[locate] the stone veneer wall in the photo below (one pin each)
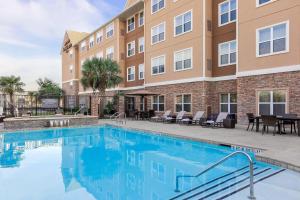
(247, 91)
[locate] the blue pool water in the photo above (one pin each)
(106, 163)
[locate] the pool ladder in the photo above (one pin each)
(120, 118)
(251, 178)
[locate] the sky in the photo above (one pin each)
(32, 31)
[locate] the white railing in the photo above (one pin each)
(120, 118)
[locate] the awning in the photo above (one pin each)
(141, 93)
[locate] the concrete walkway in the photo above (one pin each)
(282, 150)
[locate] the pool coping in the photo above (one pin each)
(255, 150)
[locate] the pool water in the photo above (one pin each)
(94, 163)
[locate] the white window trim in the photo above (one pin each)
(143, 71)
(152, 103)
(113, 28)
(272, 100)
(100, 34)
(164, 56)
(132, 43)
(133, 16)
(219, 14)
(191, 23)
(174, 60)
(140, 45)
(158, 9)
(164, 23)
(219, 55)
(140, 25)
(113, 51)
(182, 104)
(228, 103)
(263, 4)
(287, 39)
(133, 69)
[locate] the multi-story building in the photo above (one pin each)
(213, 55)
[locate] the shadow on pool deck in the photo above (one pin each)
(282, 150)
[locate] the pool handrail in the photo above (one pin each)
(114, 115)
(251, 196)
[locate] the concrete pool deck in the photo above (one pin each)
(280, 150)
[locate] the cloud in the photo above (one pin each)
(30, 69)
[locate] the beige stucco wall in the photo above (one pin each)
(252, 18)
(192, 39)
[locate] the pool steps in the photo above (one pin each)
(59, 123)
(226, 185)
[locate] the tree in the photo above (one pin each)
(48, 88)
(11, 85)
(100, 74)
(31, 94)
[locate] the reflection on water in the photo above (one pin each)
(106, 163)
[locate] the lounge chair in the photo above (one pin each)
(161, 118)
(218, 122)
(179, 117)
(196, 119)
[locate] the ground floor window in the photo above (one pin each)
(130, 103)
(272, 102)
(228, 103)
(184, 103)
(158, 103)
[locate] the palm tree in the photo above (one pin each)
(11, 85)
(48, 88)
(100, 74)
(31, 94)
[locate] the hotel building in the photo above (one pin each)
(213, 55)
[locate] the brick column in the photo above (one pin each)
(95, 105)
(121, 104)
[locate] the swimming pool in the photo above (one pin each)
(116, 164)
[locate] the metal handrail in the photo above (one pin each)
(76, 113)
(114, 115)
(252, 197)
(119, 117)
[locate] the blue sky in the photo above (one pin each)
(31, 33)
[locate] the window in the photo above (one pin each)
(110, 53)
(110, 30)
(184, 103)
(158, 65)
(83, 46)
(99, 37)
(272, 40)
(141, 45)
(131, 49)
(141, 71)
(227, 12)
(183, 23)
(227, 53)
(228, 103)
(91, 41)
(71, 83)
(157, 5)
(183, 59)
(99, 55)
(81, 63)
(158, 33)
(131, 73)
(263, 2)
(141, 18)
(272, 102)
(130, 24)
(71, 68)
(71, 53)
(158, 103)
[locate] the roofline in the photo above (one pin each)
(109, 22)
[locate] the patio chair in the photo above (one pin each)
(161, 118)
(251, 120)
(218, 122)
(196, 119)
(179, 117)
(289, 122)
(269, 120)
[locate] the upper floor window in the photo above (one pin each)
(158, 65)
(71, 68)
(273, 39)
(99, 55)
(157, 5)
(227, 12)
(131, 49)
(228, 103)
(110, 30)
(110, 53)
(183, 23)
(91, 41)
(183, 59)
(141, 18)
(130, 24)
(272, 102)
(263, 2)
(141, 45)
(83, 46)
(227, 53)
(71, 53)
(158, 33)
(131, 73)
(141, 71)
(99, 37)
